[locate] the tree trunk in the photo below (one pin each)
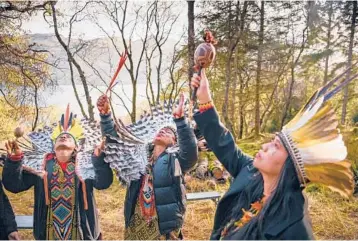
(258, 75)
(36, 117)
(191, 42)
(293, 68)
(75, 63)
(75, 89)
(330, 13)
(288, 100)
(238, 76)
(349, 63)
(233, 100)
(225, 113)
(230, 38)
(159, 74)
(134, 100)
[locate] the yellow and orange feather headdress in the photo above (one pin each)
(68, 124)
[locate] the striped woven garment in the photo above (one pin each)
(62, 223)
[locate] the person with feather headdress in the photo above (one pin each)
(150, 156)
(58, 163)
(265, 199)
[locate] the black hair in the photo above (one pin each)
(173, 131)
(277, 207)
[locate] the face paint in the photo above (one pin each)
(272, 150)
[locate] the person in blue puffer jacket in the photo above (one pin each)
(155, 205)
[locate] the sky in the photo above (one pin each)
(88, 30)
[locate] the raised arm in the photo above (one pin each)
(218, 138)
(188, 150)
(220, 141)
(14, 178)
(103, 172)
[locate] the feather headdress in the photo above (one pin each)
(128, 153)
(69, 125)
(37, 145)
(315, 144)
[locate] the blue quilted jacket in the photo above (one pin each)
(169, 187)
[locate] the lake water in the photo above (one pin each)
(64, 94)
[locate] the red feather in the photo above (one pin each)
(122, 60)
(67, 118)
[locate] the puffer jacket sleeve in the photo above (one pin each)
(15, 179)
(107, 125)
(221, 142)
(188, 150)
(103, 172)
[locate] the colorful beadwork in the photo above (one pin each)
(205, 106)
(255, 209)
(146, 196)
(62, 202)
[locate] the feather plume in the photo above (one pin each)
(39, 144)
(315, 143)
(128, 152)
(337, 176)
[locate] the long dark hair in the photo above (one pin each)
(277, 207)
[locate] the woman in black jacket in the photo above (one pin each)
(8, 226)
(265, 199)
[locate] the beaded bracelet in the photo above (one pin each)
(16, 157)
(177, 116)
(206, 106)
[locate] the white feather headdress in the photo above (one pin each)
(128, 153)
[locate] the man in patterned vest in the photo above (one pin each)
(63, 186)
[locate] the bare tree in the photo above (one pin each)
(71, 58)
(176, 72)
(163, 21)
(117, 13)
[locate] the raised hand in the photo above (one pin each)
(202, 83)
(178, 112)
(103, 105)
(13, 149)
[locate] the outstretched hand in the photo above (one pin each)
(202, 83)
(179, 110)
(103, 105)
(13, 148)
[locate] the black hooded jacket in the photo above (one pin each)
(7, 217)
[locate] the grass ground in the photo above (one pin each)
(332, 217)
